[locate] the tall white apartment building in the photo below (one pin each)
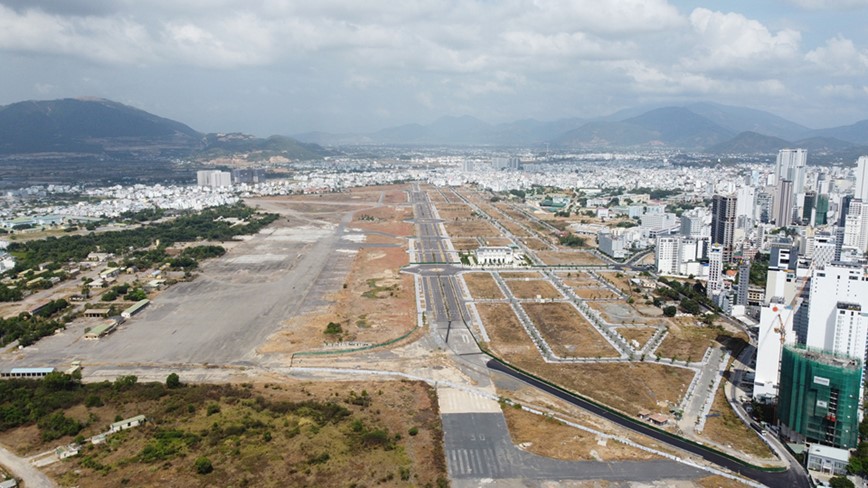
(862, 178)
(839, 293)
(856, 226)
(776, 320)
(824, 250)
(715, 270)
(213, 178)
(791, 165)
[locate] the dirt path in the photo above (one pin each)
(22, 469)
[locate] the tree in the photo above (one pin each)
(333, 328)
(203, 465)
(670, 311)
(173, 381)
(841, 482)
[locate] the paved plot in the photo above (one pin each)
(478, 446)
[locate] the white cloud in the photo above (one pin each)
(731, 41)
(829, 4)
(839, 56)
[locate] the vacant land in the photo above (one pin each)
(688, 342)
(453, 211)
(569, 258)
(551, 438)
(535, 244)
(465, 243)
(596, 294)
(629, 387)
(509, 275)
(533, 289)
(638, 334)
(386, 219)
(482, 285)
(302, 434)
(471, 228)
(727, 429)
(375, 304)
(621, 312)
(567, 332)
(498, 241)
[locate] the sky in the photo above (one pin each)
(285, 67)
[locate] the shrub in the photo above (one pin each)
(173, 381)
(333, 328)
(413, 431)
(213, 408)
(203, 465)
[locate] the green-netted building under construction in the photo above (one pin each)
(819, 396)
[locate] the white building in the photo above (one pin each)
(499, 255)
(213, 178)
(862, 179)
(611, 243)
(791, 165)
(715, 270)
(824, 249)
(838, 312)
(828, 460)
(679, 255)
(776, 320)
(856, 226)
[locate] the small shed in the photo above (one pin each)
(127, 423)
(135, 308)
(64, 452)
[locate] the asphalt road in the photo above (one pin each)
(478, 445)
(787, 478)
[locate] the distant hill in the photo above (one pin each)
(742, 119)
(855, 133)
(75, 125)
(668, 126)
(103, 128)
(750, 143)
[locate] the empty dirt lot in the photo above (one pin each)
(482, 285)
(533, 289)
(629, 387)
(567, 332)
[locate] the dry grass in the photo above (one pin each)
(638, 334)
(482, 285)
(564, 258)
(596, 293)
(551, 438)
(533, 289)
(509, 275)
(535, 244)
(498, 241)
(233, 439)
(683, 342)
(471, 228)
(620, 280)
(718, 482)
(567, 332)
(628, 387)
(454, 211)
(728, 429)
(465, 243)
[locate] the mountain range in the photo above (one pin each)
(107, 129)
(703, 126)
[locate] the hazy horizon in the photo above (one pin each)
(282, 67)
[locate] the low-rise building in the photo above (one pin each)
(127, 424)
(498, 255)
(828, 460)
